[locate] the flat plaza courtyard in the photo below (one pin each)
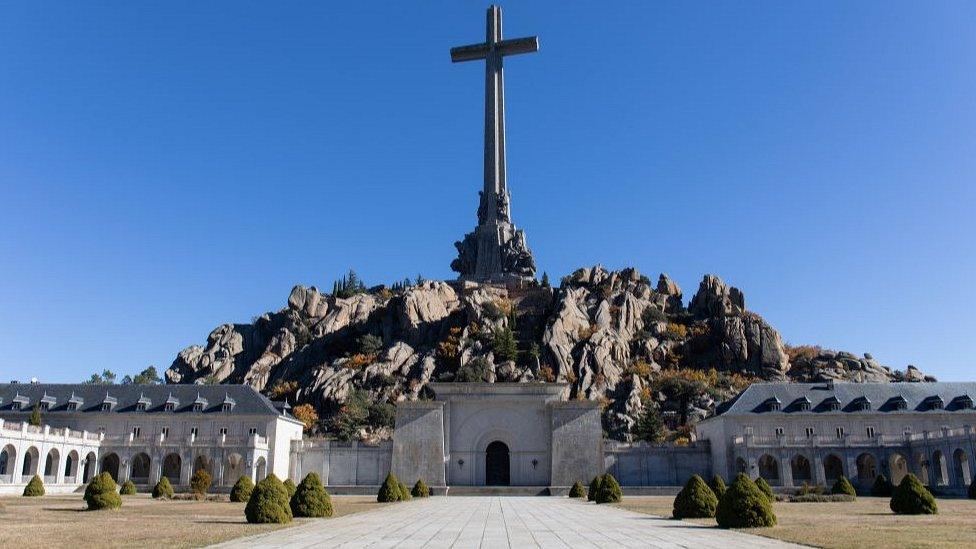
(493, 522)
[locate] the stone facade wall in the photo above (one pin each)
(577, 442)
(418, 443)
(341, 464)
(641, 464)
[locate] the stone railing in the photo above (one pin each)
(754, 441)
(35, 432)
(160, 440)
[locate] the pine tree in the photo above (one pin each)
(695, 500)
(744, 506)
(35, 416)
(545, 280)
(504, 345)
(268, 503)
(311, 499)
(649, 426)
(241, 492)
(912, 498)
(718, 486)
(390, 490)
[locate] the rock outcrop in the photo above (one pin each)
(611, 336)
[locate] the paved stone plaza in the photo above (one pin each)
(502, 522)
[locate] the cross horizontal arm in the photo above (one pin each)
(470, 52)
(516, 46)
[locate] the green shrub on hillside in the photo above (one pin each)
(609, 491)
(102, 493)
(911, 498)
(128, 488)
(311, 499)
(578, 490)
(718, 486)
(695, 500)
(420, 490)
(390, 490)
(34, 488)
(268, 503)
(242, 489)
(200, 482)
(882, 487)
(594, 488)
(765, 488)
(162, 489)
(744, 505)
(843, 486)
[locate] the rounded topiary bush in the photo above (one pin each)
(200, 482)
(242, 489)
(102, 493)
(744, 505)
(34, 488)
(882, 487)
(843, 486)
(128, 488)
(911, 498)
(404, 492)
(311, 499)
(718, 486)
(290, 487)
(594, 488)
(162, 489)
(390, 490)
(420, 490)
(578, 490)
(695, 500)
(765, 488)
(268, 503)
(609, 491)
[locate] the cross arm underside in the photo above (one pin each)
(513, 46)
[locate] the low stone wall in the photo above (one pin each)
(642, 464)
(341, 464)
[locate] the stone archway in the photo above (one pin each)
(89, 471)
(31, 458)
(498, 471)
(833, 468)
(139, 468)
(867, 468)
(172, 465)
(110, 465)
(769, 469)
(898, 467)
(960, 461)
(8, 458)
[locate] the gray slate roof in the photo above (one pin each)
(246, 401)
(882, 397)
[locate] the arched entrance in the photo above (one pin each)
(497, 465)
(172, 464)
(139, 470)
(110, 465)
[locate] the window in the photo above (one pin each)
(169, 406)
(870, 431)
(748, 430)
(72, 406)
(43, 406)
(165, 433)
(106, 406)
(226, 407)
(223, 431)
(136, 431)
(252, 431)
(197, 407)
(810, 432)
(194, 431)
(141, 406)
(779, 431)
(840, 432)
(16, 406)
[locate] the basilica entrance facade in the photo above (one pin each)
(497, 464)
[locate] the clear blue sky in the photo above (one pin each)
(169, 166)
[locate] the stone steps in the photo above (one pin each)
(498, 491)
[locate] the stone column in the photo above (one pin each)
(785, 470)
(819, 475)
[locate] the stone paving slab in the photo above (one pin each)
(491, 522)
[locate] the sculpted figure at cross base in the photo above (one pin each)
(496, 250)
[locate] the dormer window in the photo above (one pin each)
(773, 405)
(228, 403)
(935, 402)
(801, 404)
(19, 403)
(199, 404)
(108, 403)
(106, 407)
(898, 403)
(169, 407)
(72, 406)
(171, 403)
(862, 404)
(831, 404)
(143, 403)
(963, 402)
(44, 406)
(197, 407)
(141, 406)
(74, 403)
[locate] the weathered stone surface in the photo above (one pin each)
(714, 299)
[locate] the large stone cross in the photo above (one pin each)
(494, 198)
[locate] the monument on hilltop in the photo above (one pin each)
(496, 250)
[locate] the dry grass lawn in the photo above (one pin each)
(868, 522)
(56, 521)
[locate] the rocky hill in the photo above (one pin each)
(612, 336)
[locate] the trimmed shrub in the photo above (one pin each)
(882, 487)
(241, 492)
(744, 505)
(404, 491)
(594, 488)
(718, 486)
(843, 486)
(128, 489)
(311, 499)
(200, 482)
(609, 491)
(420, 490)
(821, 498)
(34, 488)
(911, 498)
(765, 488)
(268, 503)
(290, 487)
(390, 490)
(972, 489)
(578, 490)
(162, 489)
(695, 500)
(102, 493)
